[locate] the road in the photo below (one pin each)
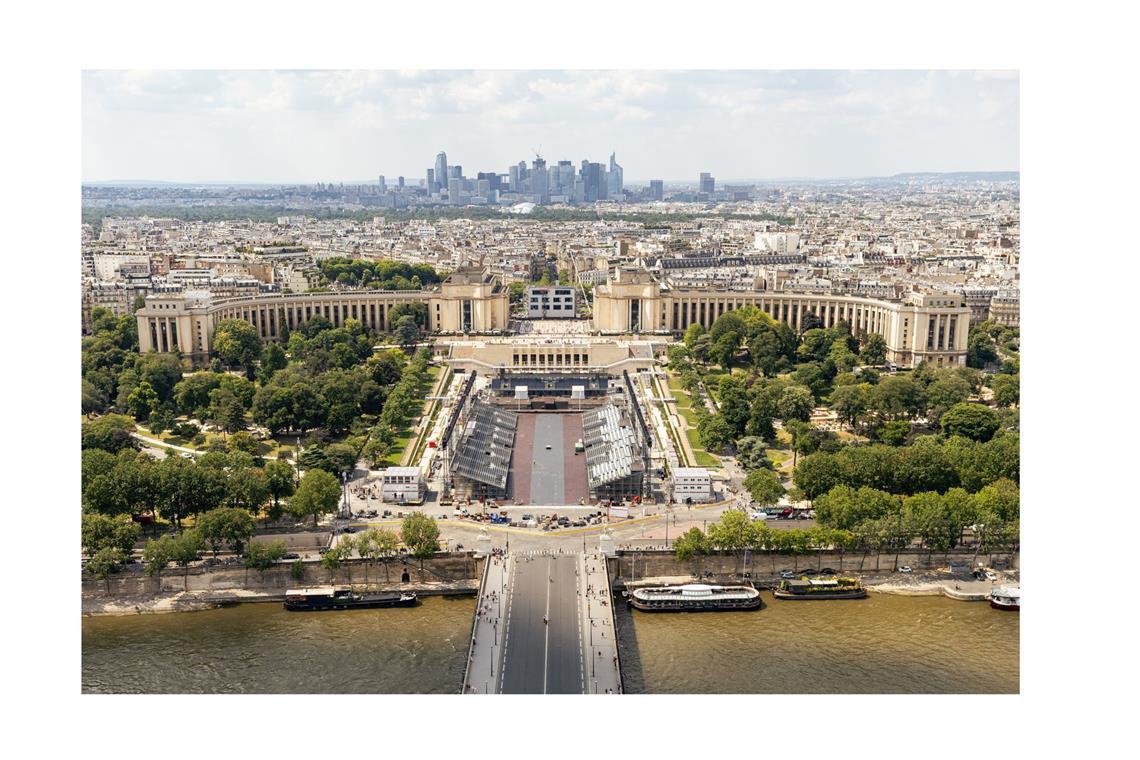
(543, 657)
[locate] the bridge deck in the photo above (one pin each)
(515, 652)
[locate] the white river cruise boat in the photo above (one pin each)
(694, 597)
(1006, 598)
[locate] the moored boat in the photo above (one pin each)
(1006, 598)
(344, 598)
(820, 588)
(695, 597)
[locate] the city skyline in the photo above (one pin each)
(240, 127)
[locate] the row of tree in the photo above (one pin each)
(382, 275)
(937, 521)
(929, 464)
(404, 402)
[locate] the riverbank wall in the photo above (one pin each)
(197, 588)
(634, 564)
(945, 574)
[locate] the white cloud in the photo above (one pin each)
(310, 125)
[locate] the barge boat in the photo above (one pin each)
(344, 598)
(820, 588)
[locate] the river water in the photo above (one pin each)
(883, 644)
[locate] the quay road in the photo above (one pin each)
(544, 625)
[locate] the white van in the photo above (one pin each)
(759, 514)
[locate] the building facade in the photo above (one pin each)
(921, 327)
(551, 302)
(470, 300)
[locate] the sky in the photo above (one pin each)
(334, 126)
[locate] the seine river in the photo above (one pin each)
(891, 644)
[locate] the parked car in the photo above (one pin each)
(290, 555)
(826, 571)
(787, 574)
(991, 575)
(906, 569)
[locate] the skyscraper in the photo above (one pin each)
(656, 190)
(513, 183)
(614, 178)
(708, 183)
(539, 182)
(593, 181)
(441, 174)
(383, 185)
(430, 181)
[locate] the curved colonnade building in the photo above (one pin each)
(468, 301)
(923, 327)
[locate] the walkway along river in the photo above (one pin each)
(882, 644)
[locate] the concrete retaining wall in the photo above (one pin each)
(631, 565)
(135, 583)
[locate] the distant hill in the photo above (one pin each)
(966, 176)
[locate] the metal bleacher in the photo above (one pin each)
(486, 441)
(610, 445)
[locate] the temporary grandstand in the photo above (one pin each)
(615, 468)
(481, 463)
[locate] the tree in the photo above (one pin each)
(851, 403)
(845, 508)
(724, 349)
(421, 534)
(111, 432)
(764, 486)
(107, 560)
(874, 351)
(715, 432)
(379, 544)
(237, 344)
(899, 397)
(944, 393)
(273, 358)
(280, 484)
(247, 489)
(973, 421)
(242, 440)
(317, 494)
(690, 544)
(192, 393)
(157, 554)
(693, 332)
(980, 349)
(800, 433)
(225, 525)
(407, 332)
(734, 402)
(734, 532)
(817, 474)
(795, 403)
(751, 453)
(1001, 499)
(894, 432)
(101, 532)
(262, 555)
(1007, 390)
(226, 410)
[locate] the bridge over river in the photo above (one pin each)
(544, 624)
